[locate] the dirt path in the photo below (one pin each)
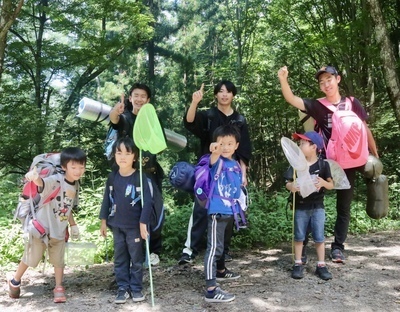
(369, 281)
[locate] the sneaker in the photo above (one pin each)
(154, 259)
(227, 275)
(185, 258)
(121, 296)
(218, 295)
(337, 256)
(228, 258)
(137, 296)
(304, 259)
(14, 291)
(297, 272)
(323, 273)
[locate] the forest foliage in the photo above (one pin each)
(57, 52)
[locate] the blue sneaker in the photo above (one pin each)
(122, 295)
(218, 295)
(337, 256)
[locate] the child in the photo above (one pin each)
(309, 211)
(220, 214)
(122, 211)
(54, 216)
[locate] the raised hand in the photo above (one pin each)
(283, 73)
(198, 95)
(120, 106)
(32, 175)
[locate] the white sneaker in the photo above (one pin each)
(154, 259)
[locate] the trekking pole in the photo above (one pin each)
(148, 236)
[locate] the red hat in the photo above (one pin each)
(311, 136)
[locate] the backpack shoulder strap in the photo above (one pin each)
(327, 104)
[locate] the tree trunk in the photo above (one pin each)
(387, 57)
(7, 17)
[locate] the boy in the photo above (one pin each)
(122, 211)
(309, 211)
(123, 117)
(220, 214)
(202, 123)
(329, 79)
(55, 217)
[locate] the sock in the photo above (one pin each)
(321, 263)
(15, 283)
(298, 262)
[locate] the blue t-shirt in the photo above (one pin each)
(226, 188)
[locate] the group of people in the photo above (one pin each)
(223, 133)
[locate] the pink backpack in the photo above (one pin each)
(348, 144)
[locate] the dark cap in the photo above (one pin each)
(326, 69)
(311, 136)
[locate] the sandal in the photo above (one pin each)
(59, 294)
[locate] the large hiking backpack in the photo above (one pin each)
(348, 144)
(158, 209)
(30, 200)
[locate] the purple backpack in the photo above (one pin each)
(204, 183)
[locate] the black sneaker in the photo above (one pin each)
(185, 258)
(137, 296)
(297, 272)
(304, 255)
(227, 275)
(337, 256)
(218, 295)
(122, 295)
(323, 273)
(228, 258)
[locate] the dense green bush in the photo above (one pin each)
(270, 222)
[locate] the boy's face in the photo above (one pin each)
(329, 84)
(229, 145)
(124, 158)
(224, 97)
(73, 171)
(138, 98)
(307, 147)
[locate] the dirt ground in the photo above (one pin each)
(369, 281)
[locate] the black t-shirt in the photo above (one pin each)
(320, 168)
(206, 121)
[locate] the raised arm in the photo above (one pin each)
(117, 110)
(196, 98)
(292, 99)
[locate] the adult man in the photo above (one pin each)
(202, 124)
(329, 79)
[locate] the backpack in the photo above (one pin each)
(30, 200)
(348, 144)
(182, 177)
(204, 187)
(113, 134)
(157, 214)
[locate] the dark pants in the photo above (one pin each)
(128, 258)
(196, 231)
(343, 205)
(214, 259)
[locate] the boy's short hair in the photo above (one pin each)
(72, 153)
(326, 69)
(129, 145)
(140, 86)
(226, 130)
(228, 84)
(311, 136)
